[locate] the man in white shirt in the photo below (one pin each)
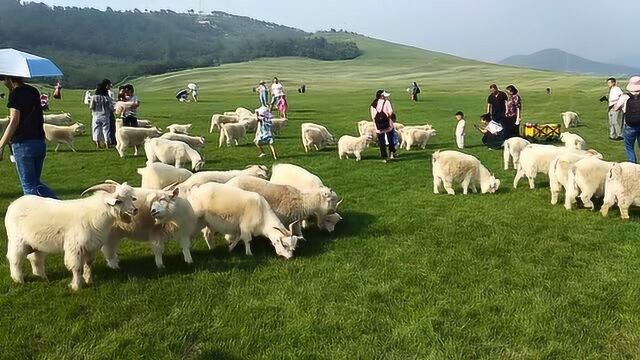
(615, 123)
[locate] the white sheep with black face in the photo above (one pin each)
(451, 167)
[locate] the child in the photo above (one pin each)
(460, 129)
(263, 133)
(283, 106)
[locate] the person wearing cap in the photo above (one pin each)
(381, 108)
(629, 103)
(615, 126)
(264, 134)
(25, 133)
(263, 93)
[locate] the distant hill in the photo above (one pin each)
(89, 44)
(558, 60)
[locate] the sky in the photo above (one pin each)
(487, 30)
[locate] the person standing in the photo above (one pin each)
(283, 107)
(629, 104)
(263, 93)
(277, 91)
(194, 91)
(460, 129)
(102, 107)
(496, 104)
(615, 126)
(130, 114)
(57, 91)
(512, 115)
(382, 116)
(415, 90)
(106, 83)
(264, 133)
(25, 132)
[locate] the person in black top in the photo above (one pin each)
(497, 104)
(25, 132)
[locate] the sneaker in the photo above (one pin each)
(385, 161)
(393, 156)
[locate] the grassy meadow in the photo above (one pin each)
(406, 275)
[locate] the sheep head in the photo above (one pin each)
(286, 243)
(119, 197)
(164, 205)
(329, 222)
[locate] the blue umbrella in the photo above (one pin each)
(21, 64)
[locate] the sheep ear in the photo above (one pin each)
(110, 188)
(112, 201)
(291, 226)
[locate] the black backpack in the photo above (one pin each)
(632, 115)
(382, 119)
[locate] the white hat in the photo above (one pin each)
(634, 84)
(386, 94)
(262, 110)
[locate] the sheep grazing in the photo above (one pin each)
(130, 136)
(193, 141)
(240, 215)
(144, 123)
(316, 136)
(158, 175)
(244, 112)
(559, 170)
(290, 204)
(512, 149)
(218, 120)
(172, 152)
(179, 129)
(39, 226)
(279, 124)
(573, 141)
(63, 134)
(350, 145)
(454, 166)
(586, 180)
(622, 187)
(231, 133)
(162, 215)
(535, 159)
(416, 137)
(221, 177)
(58, 119)
(570, 118)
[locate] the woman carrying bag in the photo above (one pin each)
(382, 116)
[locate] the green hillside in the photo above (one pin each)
(406, 275)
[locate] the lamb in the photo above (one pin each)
(278, 124)
(512, 148)
(244, 112)
(158, 175)
(240, 215)
(193, 141)
(559, 170)
(39, 226)
(289, 204)
(586, 179)
(179, 129)
(366, 127)
(58, 119)
(535, 159)
(350, 145)
(218, 120)
(162, 215)
(454, 166)
(63, 134)
(172, 152)
(621, 187)
(570, 118)
(231, 132)
(573, 141)
(221, 177)
(418, 137)
(130, 136)
(315, 135)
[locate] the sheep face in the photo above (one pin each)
(199, 165)
(329, 222)
(119, 198)
(491, 186)
(163, 207)
(286, 243)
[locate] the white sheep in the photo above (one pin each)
(351, 145)
(418, 137)
(512, 148)
(535, 159)
(622, 187)
(290, 204)
(221, 177)
(218, 120)
(179, 129)
(162, 216)
(240, 215)
(451, 167)
(193, 141)
(39, 226)
(316, 136)
(366, 127)
(63, 134)
(58, 119)
(130, 136)
(244, 112)
(231, 133)
(278, 124)
(570, 118)
(559, 170)
(573, 141)
(158, 175)
(144, 123)
(172, 152)
(586, 180)
(250, 123)
(419, 127)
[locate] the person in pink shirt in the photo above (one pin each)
(383, 117)
(283, 106)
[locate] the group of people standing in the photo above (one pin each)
(104, 110)
(278, 96)
(625, 106)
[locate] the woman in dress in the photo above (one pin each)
(512, 114)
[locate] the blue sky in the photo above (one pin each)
(483, 29)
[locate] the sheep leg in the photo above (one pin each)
(236, 141)
(157, 247)
(109, 251)
(87, 274)
(506, 156)
(71, 146)
(15, 253)
(316, 146)
(185, 244)
(609, 201)
(120, 149)
(519, 176)
(586, 200)
(37, 264)
(207, 234)
(555, 189)
(516, 160)
(234, 242)
(135, 150)
(437, 182)
(73, 262)
(465, 184)
(358, 156)
(473, 188)
(624, 209)
(246, 238)
(57, 147)
(448, 186)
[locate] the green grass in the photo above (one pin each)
(407, 274)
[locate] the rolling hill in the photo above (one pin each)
(561, 61)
